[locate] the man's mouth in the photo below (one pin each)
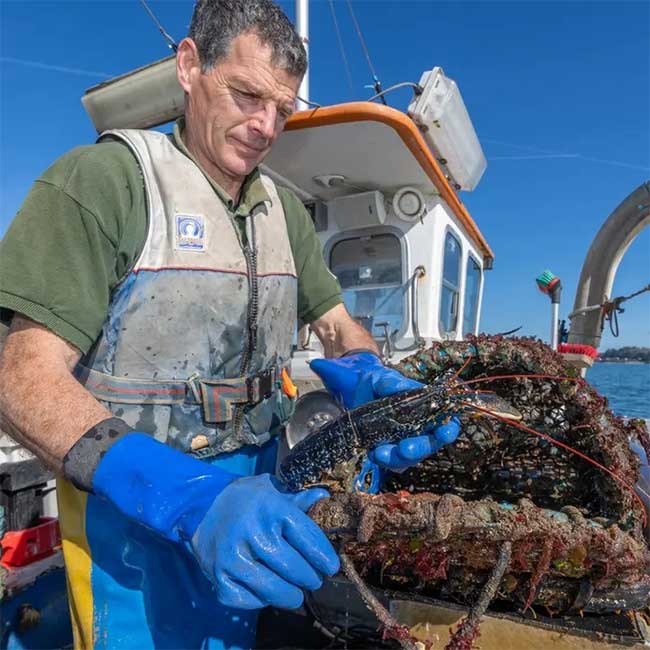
(255, 150)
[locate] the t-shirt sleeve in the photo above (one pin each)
(72, 240)
(318, 288)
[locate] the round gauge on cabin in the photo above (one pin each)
(409, 204)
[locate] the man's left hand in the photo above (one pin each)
(360, 378)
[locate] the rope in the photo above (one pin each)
(467, 631)
(612, 319)
(348, 74)
(608, 305)
(375, 78)
(390, 624)
(610, 310)
(613, 304)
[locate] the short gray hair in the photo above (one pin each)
(215, 23)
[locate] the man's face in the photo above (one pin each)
(235, 111)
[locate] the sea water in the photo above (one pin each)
(626, 386)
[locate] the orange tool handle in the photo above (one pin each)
(289, 388)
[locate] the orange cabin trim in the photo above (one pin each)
(412, 138)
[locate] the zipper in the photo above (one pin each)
(250, 254)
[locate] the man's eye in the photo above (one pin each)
(248, 95)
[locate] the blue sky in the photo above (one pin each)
(559, 93)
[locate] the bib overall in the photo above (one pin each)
(196, 338)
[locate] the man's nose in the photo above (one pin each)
(265, 121)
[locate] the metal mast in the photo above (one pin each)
(302, 25)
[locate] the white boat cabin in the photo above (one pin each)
(409, 257)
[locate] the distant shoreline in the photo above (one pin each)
(626, 354)
(632, 362)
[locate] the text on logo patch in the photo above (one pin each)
(190, 232)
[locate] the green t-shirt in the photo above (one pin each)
(82, 227)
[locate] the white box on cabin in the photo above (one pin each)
(441, 114)
(358, 210)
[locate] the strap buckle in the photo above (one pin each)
(193, 388)
(218, 397)
(261, 386)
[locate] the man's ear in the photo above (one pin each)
(188, 63)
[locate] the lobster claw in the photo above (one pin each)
(370, 477)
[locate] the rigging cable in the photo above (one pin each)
(610, 309)
(170, 41)
(308, 102)
(174, 46)
(375, 78)
(342, 48)
(417, 90)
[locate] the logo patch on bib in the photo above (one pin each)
(190, 233)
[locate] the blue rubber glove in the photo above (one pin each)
(261, 547)
(411, 451)
(361, 378)
(252, 540)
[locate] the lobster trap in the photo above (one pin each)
(557, 491)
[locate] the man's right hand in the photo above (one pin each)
(251, 538)
(259, 547)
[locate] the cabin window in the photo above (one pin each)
(369, 269)
(472, 291)
(450, 285)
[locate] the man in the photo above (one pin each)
(155, 283)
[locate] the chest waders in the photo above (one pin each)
(192, 350)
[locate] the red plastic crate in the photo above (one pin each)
(22, 547)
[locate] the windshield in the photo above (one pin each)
(472, 291)
(370, 272)
(450, 285)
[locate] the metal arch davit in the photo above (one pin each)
(599, 270)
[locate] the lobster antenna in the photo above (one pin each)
(459, 372)
(171, 43)
(467, 382)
